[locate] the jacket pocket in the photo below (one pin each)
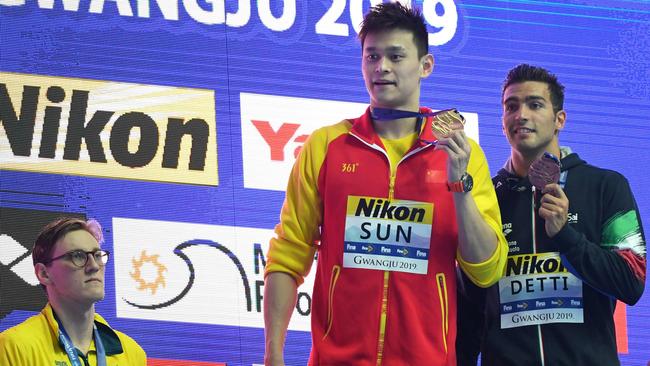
(336, 271)
(444, 306)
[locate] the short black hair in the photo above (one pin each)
(391, 16)
(525, 72)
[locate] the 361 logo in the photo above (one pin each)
(274, 129)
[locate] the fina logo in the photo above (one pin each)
(160, 268)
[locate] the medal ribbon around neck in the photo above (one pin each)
(442, 122)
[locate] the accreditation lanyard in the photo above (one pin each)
(71, 351)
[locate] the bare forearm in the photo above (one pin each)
(280, 291)
(476, 240)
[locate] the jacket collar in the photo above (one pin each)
(111, 341)
(364, 129)
(506, 175)
(565, 157)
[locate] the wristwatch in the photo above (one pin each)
(463, 185)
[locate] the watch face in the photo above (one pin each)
(464, 184)
(468, 182)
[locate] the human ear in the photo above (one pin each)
(560, 120)
(42, 274)
(426, 65)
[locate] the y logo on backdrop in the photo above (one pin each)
(275, 127)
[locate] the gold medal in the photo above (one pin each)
(446, 121)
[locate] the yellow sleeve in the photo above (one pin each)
(489, 272)
(11, 350)
(134, 352)
(292, 249)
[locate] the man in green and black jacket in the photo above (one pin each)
(575, 247)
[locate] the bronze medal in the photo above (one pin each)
(545, 170)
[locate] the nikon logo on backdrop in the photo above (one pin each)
(107, 129)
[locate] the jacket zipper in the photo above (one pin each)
(444, 307)
(382, 319)
(534, 232)
(384, 298)
(384, 294)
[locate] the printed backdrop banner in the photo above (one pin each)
(194, 273)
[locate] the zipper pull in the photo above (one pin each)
(391, 187)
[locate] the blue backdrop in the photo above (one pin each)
(169, 49)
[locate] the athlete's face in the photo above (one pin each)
(529, 122)
(66, 281)
(392, 69)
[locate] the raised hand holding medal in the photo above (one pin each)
(545, 170)
(447, 127)
(544, 174)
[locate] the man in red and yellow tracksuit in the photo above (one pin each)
(389, 212)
